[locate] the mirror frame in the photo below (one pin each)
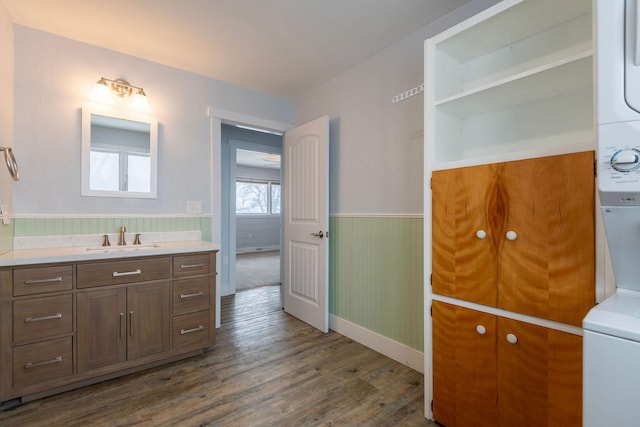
(87, 112)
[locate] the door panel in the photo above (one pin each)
(305, 171)
(464, 367)
(465, 202)
(149, 320)
(548, 271)
(523, 374)
(541, 374)
(101, 328)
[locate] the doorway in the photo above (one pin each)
(257, 215)
(251, 224)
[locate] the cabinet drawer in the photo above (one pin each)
(123, 271)
(191, 330)
(37, 280)
(42, 318)
(191, 265)
(191, 294)
(41, 362)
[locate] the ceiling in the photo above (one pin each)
(257, 159)
(281, 47)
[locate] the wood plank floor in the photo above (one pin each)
(265, 370)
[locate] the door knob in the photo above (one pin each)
(512, 339)
(481, 234)
(319, 234)
(512, 235)
(481, 329)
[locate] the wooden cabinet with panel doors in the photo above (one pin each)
(65, 325)
(517, 235)
(494, 371)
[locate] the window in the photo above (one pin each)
(257, 197)
(119, 170)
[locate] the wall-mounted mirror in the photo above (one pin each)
(119, 155)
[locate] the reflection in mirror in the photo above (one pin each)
(119, 155)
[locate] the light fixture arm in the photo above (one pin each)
(121, 87)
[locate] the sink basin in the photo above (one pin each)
(127, 248)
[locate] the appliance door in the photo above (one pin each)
(611, 381)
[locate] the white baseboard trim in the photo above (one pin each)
(399, 352)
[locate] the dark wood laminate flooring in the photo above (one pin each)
(265, 370)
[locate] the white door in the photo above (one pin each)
(305, 171)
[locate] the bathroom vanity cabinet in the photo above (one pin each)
(66, 325)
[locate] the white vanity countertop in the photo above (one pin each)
(82, 253)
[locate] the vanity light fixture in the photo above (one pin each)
(104, 87)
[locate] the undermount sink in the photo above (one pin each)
(127, 248)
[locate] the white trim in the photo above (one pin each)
(550, 324)
(231, 117)
(70, 215)
(377, 215)
(399, 352)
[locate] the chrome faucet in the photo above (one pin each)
(121, 241)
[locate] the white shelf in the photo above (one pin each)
(564, 76)
(506, 23)
(511, 82)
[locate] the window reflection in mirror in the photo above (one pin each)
(119, 155)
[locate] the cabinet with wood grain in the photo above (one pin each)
(517, 235)
(65, 325)
(494, 371)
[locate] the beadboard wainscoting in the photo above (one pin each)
(60, 225)
(6, 237)
(376, 283)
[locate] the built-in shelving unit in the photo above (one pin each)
(512, 82)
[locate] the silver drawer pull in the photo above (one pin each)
(38, 319)
(188, 331)
(30, 365)
(40, 281)
(127, 273)
(192, 266)
(197, 294)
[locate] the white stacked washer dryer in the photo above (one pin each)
(612, 328)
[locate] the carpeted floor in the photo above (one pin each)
(257, 269)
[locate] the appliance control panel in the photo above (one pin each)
(619, 163)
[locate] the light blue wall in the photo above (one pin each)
(6, 118)
(376, 185)
(54, 77)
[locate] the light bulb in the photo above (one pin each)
(140, 101)
(101, 91)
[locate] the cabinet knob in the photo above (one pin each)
(481, 234)
(512, 339)
(512, 235)
(481, 329)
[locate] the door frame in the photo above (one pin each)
(217, 118)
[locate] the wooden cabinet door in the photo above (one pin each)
(548, 271)
(540, 376)
(465, 376)
(465, 202)
(101, 326)
(149, 319)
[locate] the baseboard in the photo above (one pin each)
(399, 352)
(257, 249)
